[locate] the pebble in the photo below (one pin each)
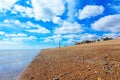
(84, 78)
(96, 72)
(56, 78)
(89, 69)
(107, 69)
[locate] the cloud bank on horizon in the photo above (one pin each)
(35, 24)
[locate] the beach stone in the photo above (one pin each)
(31, 78)
(89, 69)
(107, 69)
(96, 72)
(55, 78)
(84, 78)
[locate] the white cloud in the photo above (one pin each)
(71, 5)
(16, 35)
(2, 33)
(28, 2)
(45, 10)
(17, 22)
(54, 38)
(28, 25)
(16, 43)
(6, 4)
(88, 36)
(108, 23)
(8, 42)
(90, 11)
(39, 30)
(23, 38)
(70, 36)
(47, 40)
(57, 38)
(111, 35)
(12, 39)
(68, 27)
(12, 24)
(24, 11)
(57, 20)
(115, 5)
(71, 40)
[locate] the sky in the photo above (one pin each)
(39, 24)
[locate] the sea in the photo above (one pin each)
(13, 62)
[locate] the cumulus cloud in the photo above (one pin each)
(26, 25)
(10, 22)
(24, 11)
(90, 11)
(17, 42)
(45, 10)
(88, 36)
(54, 38)
(71, 5)
(108, 23)
(28, 2)
(115, 5)
(6, 4)
(15, 39)
(57, 20)
(2, 33)
(68, 27)
(71, 36)
(71, 40)
(23, 38)
(47, 40)
(16, 35)
(39, 30)
(111, 35)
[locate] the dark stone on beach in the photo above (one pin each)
(84, 78)
(31, 78)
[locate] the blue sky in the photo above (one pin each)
(38, 24)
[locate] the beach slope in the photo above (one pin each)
(93, 61)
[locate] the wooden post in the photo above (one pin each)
(59, 44)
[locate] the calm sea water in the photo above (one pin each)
(12, 62)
